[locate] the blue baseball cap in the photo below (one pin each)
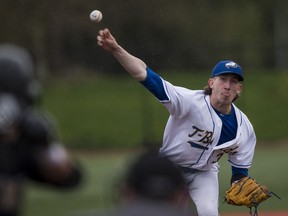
(227, 66)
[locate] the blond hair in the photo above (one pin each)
(208, 91)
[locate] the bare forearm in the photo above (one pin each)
(133, 65)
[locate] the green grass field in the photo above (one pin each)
(101, 113)
(104, 111)
(103, 172)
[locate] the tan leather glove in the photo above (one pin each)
(247, 192)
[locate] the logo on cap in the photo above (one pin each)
(227, 66)
(231, 65)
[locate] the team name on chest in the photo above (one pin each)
(201, 138)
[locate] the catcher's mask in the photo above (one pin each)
(17, 73)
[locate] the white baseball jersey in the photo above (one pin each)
(193, 130)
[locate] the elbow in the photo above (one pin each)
(140, 76)
(140, 73)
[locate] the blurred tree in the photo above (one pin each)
(281, 34)
(168, 35)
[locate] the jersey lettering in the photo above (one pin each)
(230, 151)
(205, 136)
(218, 156)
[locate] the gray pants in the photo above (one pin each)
(203, 188)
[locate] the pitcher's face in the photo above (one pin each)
(224, 87)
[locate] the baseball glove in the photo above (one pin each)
(247, 192)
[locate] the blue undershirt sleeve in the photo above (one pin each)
(238, 173)
(154, 84)
(236, 170)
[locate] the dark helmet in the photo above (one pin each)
(17, 73)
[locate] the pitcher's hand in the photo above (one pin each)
(106, 40)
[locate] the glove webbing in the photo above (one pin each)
(255, 213)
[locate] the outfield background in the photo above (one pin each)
(100, 110)
(103, 121)
(104, 111)
(104, 171)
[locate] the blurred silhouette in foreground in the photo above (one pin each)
(29, 147)
(152, 186)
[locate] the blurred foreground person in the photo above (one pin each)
(29, 148)
(153, 186)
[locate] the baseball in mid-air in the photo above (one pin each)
(96, 16)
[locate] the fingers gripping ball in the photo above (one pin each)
(247, 192)
(96, 16)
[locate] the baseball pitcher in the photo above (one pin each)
(203, 125)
